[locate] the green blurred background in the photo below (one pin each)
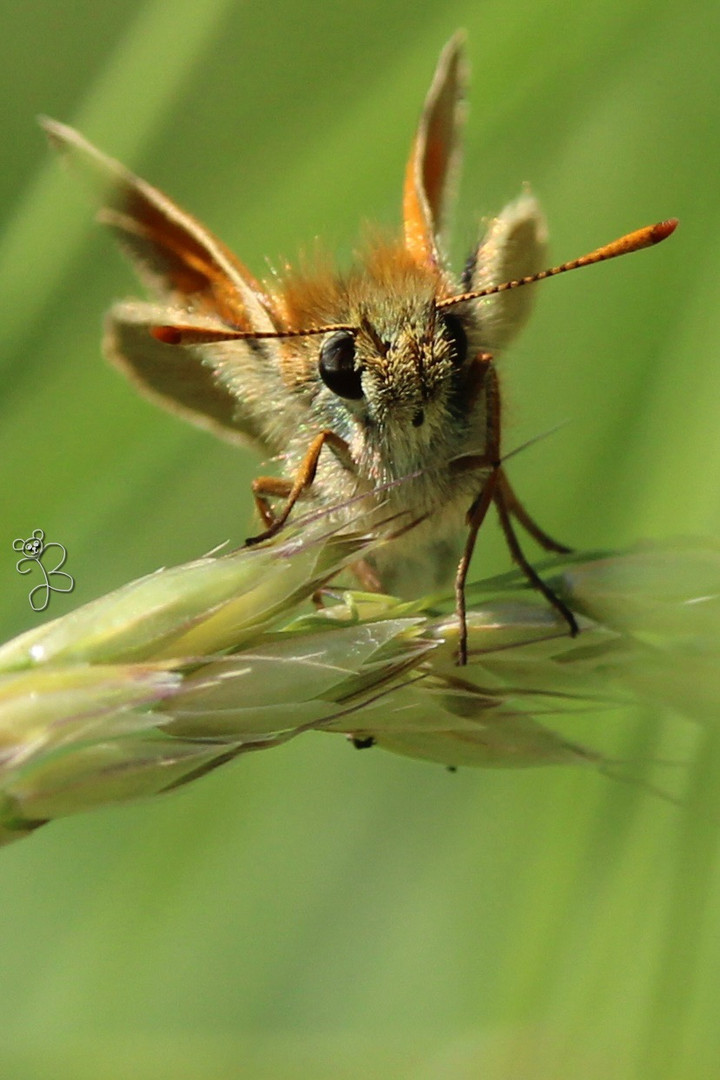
(313, 912)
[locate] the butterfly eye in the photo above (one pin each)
(455, 333)
(337, 366)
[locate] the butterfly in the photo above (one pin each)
(374, 387)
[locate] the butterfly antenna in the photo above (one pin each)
(199, 335)
(633, 241)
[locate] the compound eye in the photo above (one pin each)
(336, 366)
(455, 333)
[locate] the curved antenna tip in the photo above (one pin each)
(664, 229)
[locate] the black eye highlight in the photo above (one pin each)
(455, 333)
(336, 366)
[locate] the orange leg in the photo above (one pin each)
(264, 488)
(275, 487)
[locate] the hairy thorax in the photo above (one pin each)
(405, 393)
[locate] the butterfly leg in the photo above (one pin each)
(267, 487)
(489, 460)
(504, 512)
(518, 511)
(475, 517)
(366, 575)
(497, 490)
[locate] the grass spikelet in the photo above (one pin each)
(179, 672)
